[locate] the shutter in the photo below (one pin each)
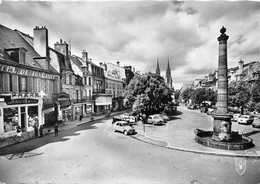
(1, 82)
(15, 83)
(6, 82)
(30, 84)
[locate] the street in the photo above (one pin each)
(93, 153)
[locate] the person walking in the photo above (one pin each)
(35, 130)
(56, 129)
(41, 131)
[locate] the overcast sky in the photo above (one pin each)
(138, 32)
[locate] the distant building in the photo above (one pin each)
(168, 77)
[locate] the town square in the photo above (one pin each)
(130, 92)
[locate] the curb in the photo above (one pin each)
(195, 151)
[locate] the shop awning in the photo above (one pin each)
(104, 100)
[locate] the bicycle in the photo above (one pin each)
(15, 139)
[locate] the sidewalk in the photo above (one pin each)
(70, 124)
(178, 134)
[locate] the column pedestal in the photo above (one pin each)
(222, 127)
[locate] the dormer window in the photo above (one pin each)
(17, 54)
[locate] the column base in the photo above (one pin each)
(222, 127)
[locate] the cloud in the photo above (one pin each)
(137, 33)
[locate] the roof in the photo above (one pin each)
(76, 65)
(11, 39)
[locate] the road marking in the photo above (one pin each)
(105, 130)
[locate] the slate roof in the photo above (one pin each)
(12, 39)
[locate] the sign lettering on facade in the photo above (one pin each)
(22, 71)
(64, 100)
(22, 101)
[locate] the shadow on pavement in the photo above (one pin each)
(177, 113)
(30, 145)
(251, 133)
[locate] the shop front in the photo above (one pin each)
(64, 110)
(103, 104)
(23, 112)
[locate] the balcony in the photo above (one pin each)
(98, 91)
(77, 100)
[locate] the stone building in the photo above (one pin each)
(29, 80)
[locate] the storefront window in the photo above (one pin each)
(33, 116)
(10, 119)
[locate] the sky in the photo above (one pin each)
(138, 33)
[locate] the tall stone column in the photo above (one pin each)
(222, 120)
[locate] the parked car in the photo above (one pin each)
(124, 127)
(245, 119)
(256, 122)
(235, 116)
(132, 119)
(117, 118)
(192, 106)
(155, 120)
(211, 111)
(164, 117)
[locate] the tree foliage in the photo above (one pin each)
(186, 94)
(255, 92)
(202, 94)
(238, 94)
(147, 93)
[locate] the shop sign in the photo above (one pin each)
(22, 71)
(114, 73)
(22, 101)
(64, 100)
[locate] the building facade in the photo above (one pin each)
(28, 80)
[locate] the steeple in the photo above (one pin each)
(157, 71)
(168, 75)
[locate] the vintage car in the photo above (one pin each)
(124, 127)
(245, 119)
(256, 122)
(155, 120)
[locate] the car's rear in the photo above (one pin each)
(256, 122)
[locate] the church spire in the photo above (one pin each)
(157, 71)
(168, 70)
(168, 75)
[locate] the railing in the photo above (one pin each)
(96, 91)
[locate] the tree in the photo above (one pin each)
(186, 94)
(255, 92)
(238, 94)
(147, 93)
(202, 94)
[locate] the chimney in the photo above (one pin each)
(133, 69)
(241, 66)
(40, 41)
(62, 47)
(84, 55)
(250, 69)
(117, 63)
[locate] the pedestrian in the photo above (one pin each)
(35, 130)
(56, 129)
(19, 132)
(41, 131)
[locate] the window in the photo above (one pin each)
(22, 58)
(6, 82)
(106, 85)
(30, 84)
(89, 81)
(23, 84)
(70, 79)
